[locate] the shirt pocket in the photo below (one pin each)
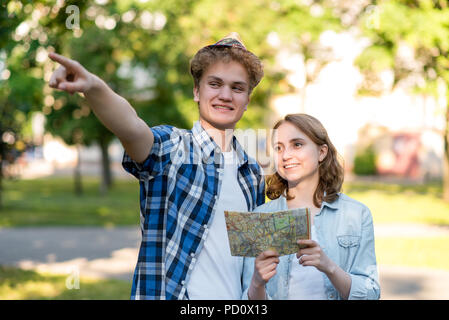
(348, 246)
(348, 241)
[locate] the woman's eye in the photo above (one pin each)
(298, 144)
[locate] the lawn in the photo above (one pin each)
(52, 202)
(394, 203)
(425, 252)
(17, 284)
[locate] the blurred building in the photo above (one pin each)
(404, 129)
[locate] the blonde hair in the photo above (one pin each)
(331, 172)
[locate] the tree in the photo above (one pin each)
(420, 28)
(20, 81)
(142, 50)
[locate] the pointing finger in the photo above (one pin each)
(66, 62)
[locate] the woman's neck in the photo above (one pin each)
(303, 194)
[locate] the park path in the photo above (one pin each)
(112, 253)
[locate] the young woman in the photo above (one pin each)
(339, 261)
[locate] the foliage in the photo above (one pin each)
(142, 50)
(412, 39)
(365, 162)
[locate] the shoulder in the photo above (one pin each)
(351, 207)
(345, 200)
(166, 131)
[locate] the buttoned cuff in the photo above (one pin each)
(363, 288)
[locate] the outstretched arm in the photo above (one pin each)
(112, 110)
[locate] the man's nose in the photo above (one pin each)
(225, 93)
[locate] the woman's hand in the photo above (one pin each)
(264, 269)
(314, 256)
(71, 76)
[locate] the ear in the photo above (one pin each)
(323, 152)
(196, 94)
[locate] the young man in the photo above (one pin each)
(187, 177)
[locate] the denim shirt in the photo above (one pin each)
(345, 233)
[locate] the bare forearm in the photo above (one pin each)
(112, 110)
(340, 279)
(120, 118)
(256, 292)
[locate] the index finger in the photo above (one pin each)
(66, 62)
(307, 242)
(268, 253)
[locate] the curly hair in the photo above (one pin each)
(207, 56)
(330, 170)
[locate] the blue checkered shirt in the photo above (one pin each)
(179, 186)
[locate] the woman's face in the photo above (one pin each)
(296, 156)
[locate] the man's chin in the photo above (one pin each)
(220, 124)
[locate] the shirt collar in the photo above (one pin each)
(330, 205)
(208, 145)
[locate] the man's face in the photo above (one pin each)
(223, 95)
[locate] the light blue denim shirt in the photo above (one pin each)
(345, 233)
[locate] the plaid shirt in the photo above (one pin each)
(179, 186)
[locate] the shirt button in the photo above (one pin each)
(183, 282)
(192, 254)
(217, 150)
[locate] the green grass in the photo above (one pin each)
(52, 202)
(432, 252)
(17, 284)
(393, 203)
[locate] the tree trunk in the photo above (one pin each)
(106, 180)
(2, 158)
(77, 173)
(1, 175)
(446, 158)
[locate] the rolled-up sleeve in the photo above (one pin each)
(165, 138)
(364, 273)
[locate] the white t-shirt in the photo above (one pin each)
(216, 274)
(306, 283)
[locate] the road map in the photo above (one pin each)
(250, 233)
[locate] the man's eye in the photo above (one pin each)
(238, 89)
(214, 84)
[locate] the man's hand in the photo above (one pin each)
(112, 110)
(71, 76)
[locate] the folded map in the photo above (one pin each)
(250, 233)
